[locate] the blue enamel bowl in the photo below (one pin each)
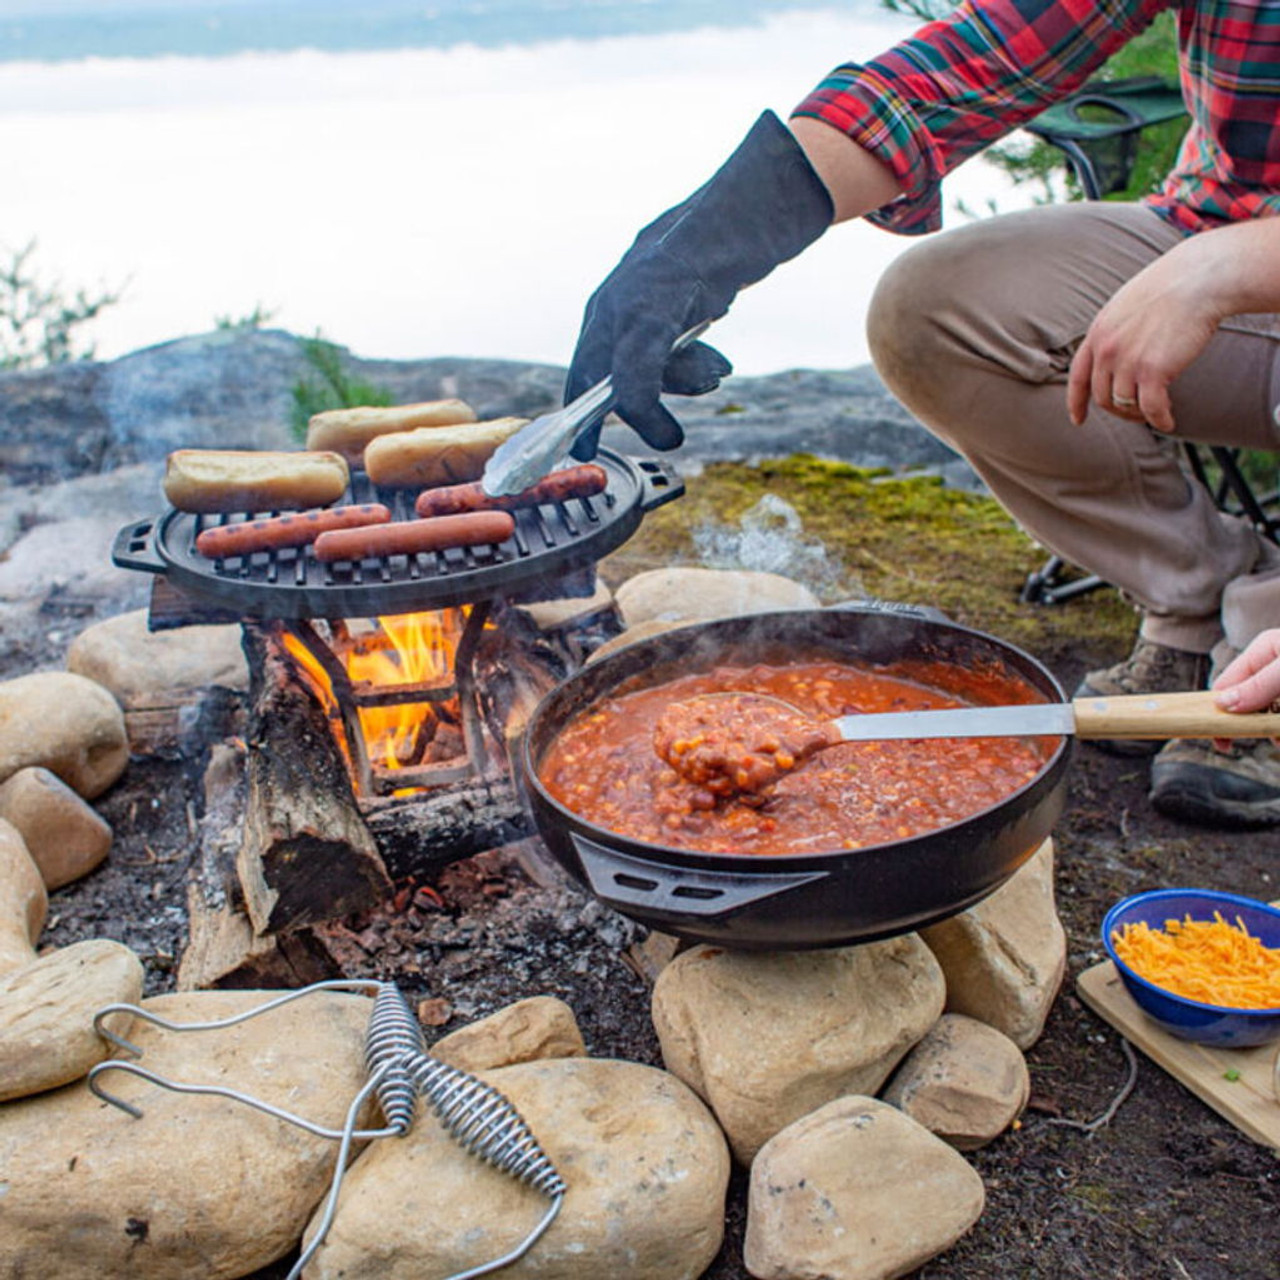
(1208, 1024)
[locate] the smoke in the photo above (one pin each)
(769, 538)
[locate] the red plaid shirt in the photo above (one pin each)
(959, 84)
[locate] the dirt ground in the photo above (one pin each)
(1165, 1189)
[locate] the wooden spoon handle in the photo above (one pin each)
(1169, 715)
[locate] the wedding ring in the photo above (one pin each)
(1124, 402)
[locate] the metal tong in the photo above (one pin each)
(542, 445)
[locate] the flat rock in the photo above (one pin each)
(46, 1014)
(767, 1037)
(646, 1169)
(1005, 957)
(65, 835)
(688, 594)
(64, 723)
(965, 1081)
(200, 1185)
(856, 1191)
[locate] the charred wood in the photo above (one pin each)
(307, 854)
(430, 830)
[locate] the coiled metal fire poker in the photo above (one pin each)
(400, 1069)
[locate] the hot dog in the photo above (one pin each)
(285, 531)
(582, 481)
(408, 537)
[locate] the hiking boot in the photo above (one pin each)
(1192, 780)
(1150, 668)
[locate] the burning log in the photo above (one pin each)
(448, 823)
(307, 854)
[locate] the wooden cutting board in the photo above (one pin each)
(1249, 1102)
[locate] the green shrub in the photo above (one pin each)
(38, 323)
(333, 388)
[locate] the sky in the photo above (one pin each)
(420, 202)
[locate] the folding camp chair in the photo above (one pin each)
(1097, 130)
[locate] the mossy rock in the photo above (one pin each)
(888, 536)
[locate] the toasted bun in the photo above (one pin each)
(348, 431)
(212, 480)
(436, 455)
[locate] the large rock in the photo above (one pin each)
(199, 1186)
(24, 901)
(767, 1037)
(856, 1191)
(65, 723)
(965, 1081)
(46, 1014)
(689, 594)
(1005, 958)
(540, 1027)
(645, 1165)
(140, 666)
(65, 835)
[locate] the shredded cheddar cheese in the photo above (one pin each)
(1206, 960)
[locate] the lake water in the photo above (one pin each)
(461, 200)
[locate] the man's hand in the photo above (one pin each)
(1157, 323)
(1152, 328)
(763, 206)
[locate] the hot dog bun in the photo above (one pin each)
(348, 431)
(436, 455)
(212, 480)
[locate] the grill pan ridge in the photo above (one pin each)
(549, 541)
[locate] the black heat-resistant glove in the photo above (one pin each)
(763, 206)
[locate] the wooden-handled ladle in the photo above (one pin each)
(739, 742)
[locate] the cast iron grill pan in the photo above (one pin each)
(549, 541)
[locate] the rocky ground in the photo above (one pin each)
(1164, 1188)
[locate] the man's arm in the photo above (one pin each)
(856, 180)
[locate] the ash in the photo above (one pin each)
(500, 927)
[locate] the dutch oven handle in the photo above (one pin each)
(135, 547)
(659, 483)
(623, 881)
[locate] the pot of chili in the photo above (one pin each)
(865, 841)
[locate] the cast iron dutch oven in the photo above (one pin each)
(807, 900)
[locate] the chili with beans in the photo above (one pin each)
(604, 767)
(736, 742)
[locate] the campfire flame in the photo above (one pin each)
(412, 652)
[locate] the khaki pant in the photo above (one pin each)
(974, 329)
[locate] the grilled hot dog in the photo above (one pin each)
(408, 537)
(582, 481)
(285, 531)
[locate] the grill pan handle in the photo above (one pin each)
(623, 881)
(659, 483)
(135, 547)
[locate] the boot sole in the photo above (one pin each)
(1192, 797)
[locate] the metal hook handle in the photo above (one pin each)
(337, 984)
(217, 1091)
